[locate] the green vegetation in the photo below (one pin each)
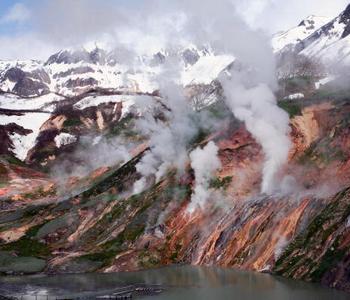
(316, 236)
(40, 193)
(331, 257)
(220, 183)
(133, 232)
(219, 111)
(308, 154)
(296, 84)
(72, 122)
(291, 107)
(34, 210)
(104, 258)
(115, 246)
(10, 264)
(65, 221)
(174, 256)
(3, 173)
(13, 160)
(125, 127)
(199, 137)
(148, 260)
(28, 245)
(134, 212)
(116, 179)
(322, 152)
(332, 93)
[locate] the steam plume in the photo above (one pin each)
(204, 162)
(248, 87)
(256, 106)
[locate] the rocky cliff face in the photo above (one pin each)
(318, 38)
(67, 187)
(86, 92)
(94, 223)
(72, 72)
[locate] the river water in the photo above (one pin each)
(179, 282)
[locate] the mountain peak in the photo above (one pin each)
(295, 35)
(318, 38)
(345, 19)
(346, 12)
(313, 21)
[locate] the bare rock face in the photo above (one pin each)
(99, 226)
(28, 87)
(345, 19)
(6, 145)
(308, 126)
(190, 56)
(28, 84)
(321, 252)
(97, 56)
(81, 82)
(14, 75)
(74, 71)
(93, 222)
(157, 59)
(76, 123)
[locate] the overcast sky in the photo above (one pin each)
(276, 15)
(36, 28)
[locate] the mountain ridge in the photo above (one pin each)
(97, 168)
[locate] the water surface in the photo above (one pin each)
(180, 282)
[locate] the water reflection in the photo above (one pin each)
(182, 282)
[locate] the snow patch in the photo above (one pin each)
(23, 143)
(295, 96)
(324, 81)
(336, 53)
(206, 69)
(128, 101)
(37, 103)
(64, 139)
(325, 40)
(7, 85)
(295, 35)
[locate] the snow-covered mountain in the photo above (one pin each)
(318, 39)
(71, 72)
(286, 40)
(109, 172)
(91, 89)
(89, 86)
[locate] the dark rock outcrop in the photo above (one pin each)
(6, 145)
(28, 83)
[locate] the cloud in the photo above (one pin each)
(26, 46)
(78, 21)
(18, 13)
(145, 24)
(68, 20)
(275, 15)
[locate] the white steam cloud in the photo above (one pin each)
(269, 125)
(167, 139)
(91, 154)
(204, 162)
(280, 246)
(248, 86)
